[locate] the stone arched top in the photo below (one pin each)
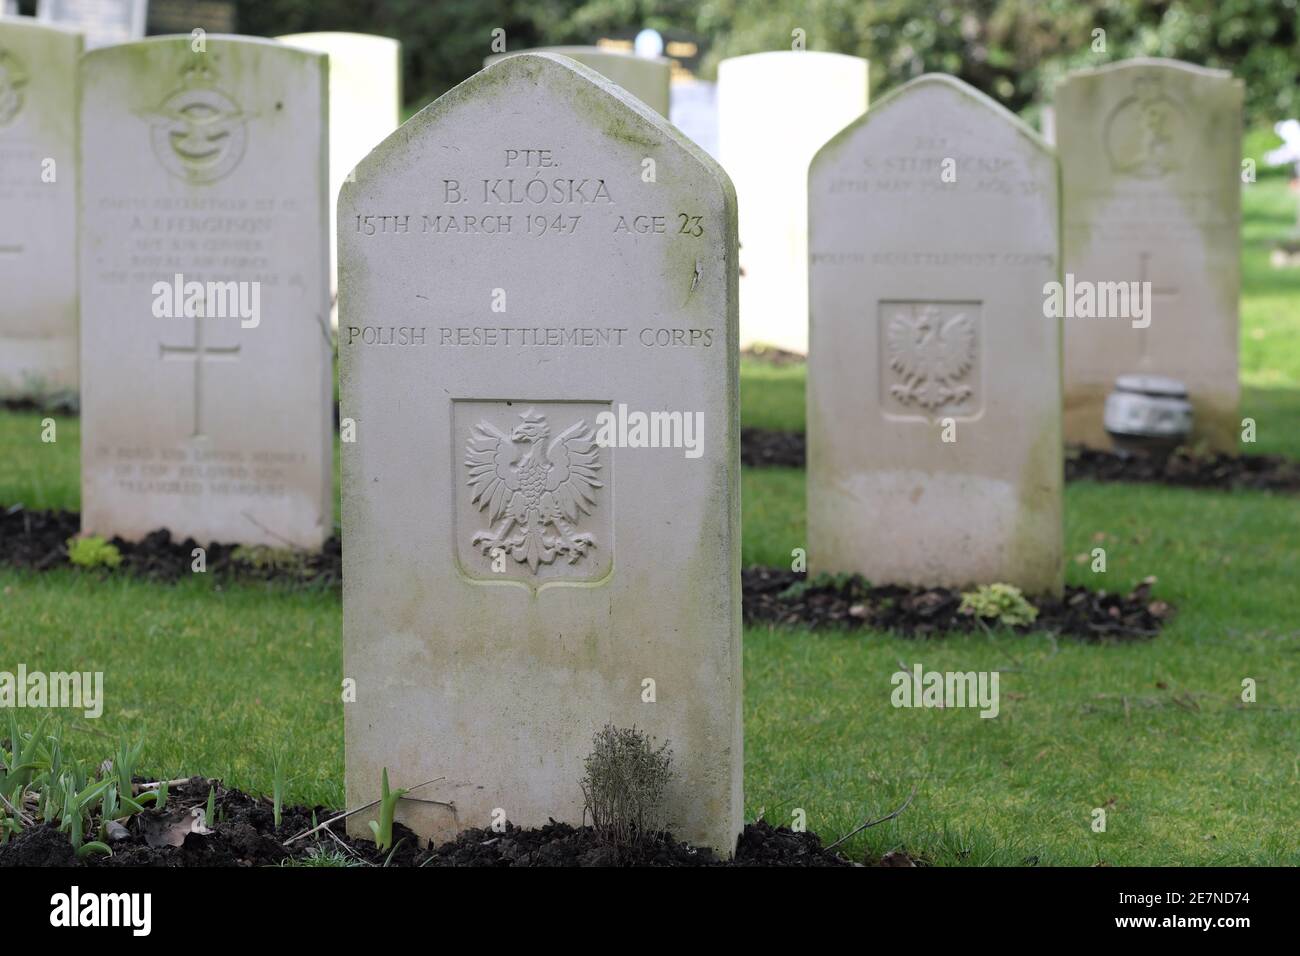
(959, 89)
(607, 104)
(785, 55)
(1148, 62)
(215, 42)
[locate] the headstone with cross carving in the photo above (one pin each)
(1151, 183)
(38, 210)
(934, 381)
(519, 570)
(206, 379)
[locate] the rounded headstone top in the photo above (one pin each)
(1155, 385)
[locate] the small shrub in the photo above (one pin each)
(1003, 602)
(266, 559)
(93, 552)
(625, 785)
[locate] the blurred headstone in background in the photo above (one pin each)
(645, 78)
(365, 106)
(185, 16)
(775, 110)
(38, 210)
(694, 111)
(102, 21)
(1151, 189)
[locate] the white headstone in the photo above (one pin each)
(511, 583)
(38, 209)
(1151, 179)
(103, 21)
(365, 104)
(647, 78)
(9, 8)
(774, 111)
(934, 381)
(205, 168)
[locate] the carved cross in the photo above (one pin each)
(198, 353)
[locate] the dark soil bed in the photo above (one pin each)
(776, 596)
(38, 540)
(763, 448)
(245, 835)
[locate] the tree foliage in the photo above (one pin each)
(1014, 50)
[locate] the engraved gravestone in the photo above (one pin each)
(774, 110)
(206, 380)
(38, 209)
(1151, 182)
(646, 78)
(934, 381)
(103, 21)
(533, 258)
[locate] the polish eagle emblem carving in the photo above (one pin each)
(931, 354)
(535, 489)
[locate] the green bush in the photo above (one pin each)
(1001, 602)
(625, 787)
(93, 552)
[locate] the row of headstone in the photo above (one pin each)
(1150, 155)
(519, 568)
(208, 174)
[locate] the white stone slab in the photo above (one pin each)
(774, 111)
(211, 166)
(492, 671)
(646, 78)
(38, 209)
(365, 104)
(1151, 179)
(928, 324)
(102, 21)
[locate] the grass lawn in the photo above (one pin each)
(214, 679)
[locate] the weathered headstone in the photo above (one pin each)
(774, 111)
(1151, 181)
(934, 381)
(646, 78)
(205, 352)
(365, 104)
(38, 209)
(102, 21)
(9, 8)
(512, 580)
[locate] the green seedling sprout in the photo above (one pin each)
(383, 828)
(277, 784)
(210, 811)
